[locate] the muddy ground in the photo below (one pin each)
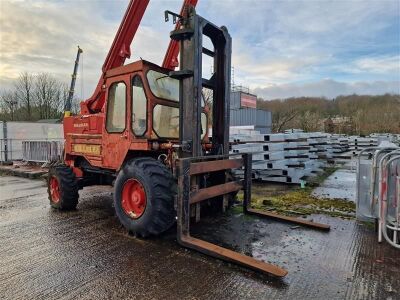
(46, 254)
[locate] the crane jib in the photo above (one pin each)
(120, 50)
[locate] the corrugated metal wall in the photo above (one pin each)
(235, 100)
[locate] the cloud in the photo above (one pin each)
(327, 88)
(42, 37)
(276, 44)
(381, 64)
(307, 41)
(261, 71)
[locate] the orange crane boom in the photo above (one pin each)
(171, 56)
(120, 50)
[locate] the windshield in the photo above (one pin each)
(163, 86)
(166, 121)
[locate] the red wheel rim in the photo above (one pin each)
(54, 189)
(133, 198)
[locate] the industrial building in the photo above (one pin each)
(244, 111)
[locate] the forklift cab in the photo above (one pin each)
(143, 103)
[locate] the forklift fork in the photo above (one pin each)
(192, 164)
(188, 194)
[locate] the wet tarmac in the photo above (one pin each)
(86, 254)
(339, 185)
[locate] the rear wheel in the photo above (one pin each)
(62, 188)
(144, 197)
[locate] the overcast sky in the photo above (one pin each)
(280, 48)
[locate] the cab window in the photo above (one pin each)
(163, 86)
(166, 121)
(116, 107)
(139, 107)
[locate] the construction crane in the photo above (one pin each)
(67, 108)
(145, 131)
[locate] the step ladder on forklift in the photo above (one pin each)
(194, 162)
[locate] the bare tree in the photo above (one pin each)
(24, 92)
(282, 118)
(9, 105)
(47, 96)
(62, 95)
(208, 95)
(75, 106)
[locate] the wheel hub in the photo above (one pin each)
(133, 198)
(54, 189)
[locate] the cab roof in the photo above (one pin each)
(140, 65)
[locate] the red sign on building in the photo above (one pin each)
(247, 100)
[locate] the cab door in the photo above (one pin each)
(116, 128)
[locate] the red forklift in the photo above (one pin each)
(145, 131)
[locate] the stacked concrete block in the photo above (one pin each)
(389, 137)
(336, 145)
(357, 143)
(353, 144)
(294, 156)
(282, 157)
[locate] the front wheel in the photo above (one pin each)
(144, 197)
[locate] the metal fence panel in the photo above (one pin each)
(16, 132)
(365, 211)
(42, 151)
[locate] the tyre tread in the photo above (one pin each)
(161, 181)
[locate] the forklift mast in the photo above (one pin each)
(193, 164)
(194, 28)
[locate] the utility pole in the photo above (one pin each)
(11, 104)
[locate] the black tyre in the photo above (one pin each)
(62, 187)
(232, 196)
(216, 206)
(144, 197)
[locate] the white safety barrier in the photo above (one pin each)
(378, 191)
(389, 202)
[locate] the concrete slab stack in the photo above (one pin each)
(295, 155)
(389, 137)
(356, 143)
(337, 145)
(282, 157)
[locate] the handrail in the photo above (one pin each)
(382, 218)
(382, 222)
